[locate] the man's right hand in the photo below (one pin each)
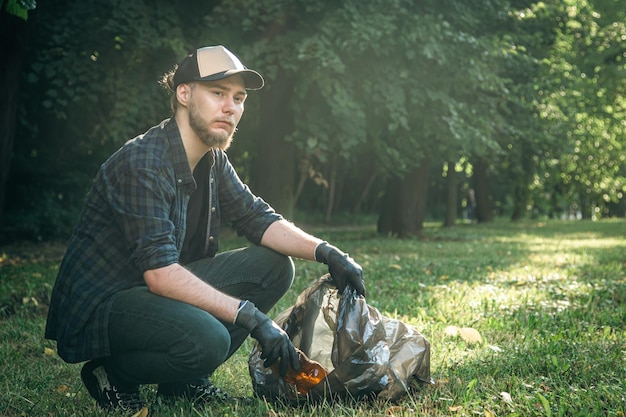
(274, 341)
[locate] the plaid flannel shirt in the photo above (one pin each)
(134, 220)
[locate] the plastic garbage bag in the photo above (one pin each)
(362, 352)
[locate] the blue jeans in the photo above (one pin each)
(157, 340)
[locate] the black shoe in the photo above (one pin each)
(203, 393)
(107, 395)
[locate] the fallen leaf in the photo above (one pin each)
(506, 397)
(391, 411)
(488, 413)
(470, 335)
(395, 266)
(467, 333)
(141, 413)
(440, 382)
(451, 331)
(48, 351)
(455, 408)
(545, 388)
(62, 389)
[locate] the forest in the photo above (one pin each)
(394, 109)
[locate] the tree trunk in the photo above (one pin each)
(13, 40)
(339, 186)
(365, 192)
(404, 204)
(484, 209)
(520, 198)
(391, 199)
(303, 176)
(452, 199)
(332, 189)
(521, 179)
(420, 185)
(275, 163)
(586, 206)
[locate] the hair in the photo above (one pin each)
(167, 82)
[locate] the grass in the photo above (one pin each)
(548, 299)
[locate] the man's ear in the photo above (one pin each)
(183, 92)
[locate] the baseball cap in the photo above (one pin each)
(214, 63)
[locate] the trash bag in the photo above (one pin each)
(362, 352)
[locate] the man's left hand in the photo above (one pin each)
(342, 268)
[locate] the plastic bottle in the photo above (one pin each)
(311, 373)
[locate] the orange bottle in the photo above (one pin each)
(311, 373)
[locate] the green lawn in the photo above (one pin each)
(548, 300)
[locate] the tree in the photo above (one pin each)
(582, 95)
(84, 93)
(14, 38)
(355, 93)
(362, 100)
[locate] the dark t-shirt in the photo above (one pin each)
(197, 213)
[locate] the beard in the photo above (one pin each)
(212, 139)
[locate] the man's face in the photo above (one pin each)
(215, 108)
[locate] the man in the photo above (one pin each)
(142, 294)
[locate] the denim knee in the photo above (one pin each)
(206, 348)
(282, 272)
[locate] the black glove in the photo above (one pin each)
(274, 341)
(343, 270)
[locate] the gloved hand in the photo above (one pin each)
(274, 341)
(343, 270)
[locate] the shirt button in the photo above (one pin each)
(211, 238)
(180, 181)
(211, 180)
(212, 209)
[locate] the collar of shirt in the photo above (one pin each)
(184, 176)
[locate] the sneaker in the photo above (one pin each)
(203, 393)
(107, 395)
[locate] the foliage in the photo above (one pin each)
(379, 82)
(86, 92)
(378, 77)
(547, 299)
(18, 8)
(535, 89)
(584, 99)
